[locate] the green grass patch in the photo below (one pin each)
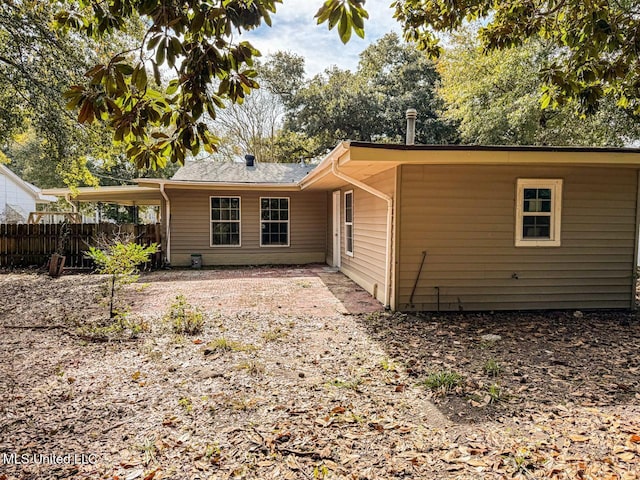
(443, 381)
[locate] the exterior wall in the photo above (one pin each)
(190, 229)
(367, 265)
(15, 202)
(464, 218)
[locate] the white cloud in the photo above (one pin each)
(294, 29)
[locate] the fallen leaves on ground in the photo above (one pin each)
(308, 396)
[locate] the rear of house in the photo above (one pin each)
(484, 228)
(424, 228)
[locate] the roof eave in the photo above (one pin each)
(195, 185)
(474, 155)
(122, 195)
(340, 152)
(24, 185)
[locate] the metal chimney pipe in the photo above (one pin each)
(411, 126)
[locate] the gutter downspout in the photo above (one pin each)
(389, 200)
(67, 198)
(167, 216)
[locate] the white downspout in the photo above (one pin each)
(167, 216)
(389, 200)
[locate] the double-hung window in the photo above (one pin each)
(225, 221)
(348, 222)
(274, 222)
(538, 211)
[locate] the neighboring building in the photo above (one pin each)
(423, 227)
(18, 198)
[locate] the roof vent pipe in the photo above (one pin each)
(411, 126)
(249, 159)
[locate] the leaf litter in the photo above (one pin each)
(311, 392)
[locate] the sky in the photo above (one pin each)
(295, 30)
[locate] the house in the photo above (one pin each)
(424, 227)
(18, 198)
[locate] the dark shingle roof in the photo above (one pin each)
(228, 172)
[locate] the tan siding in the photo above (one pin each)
(368, 264)
(464, 218)
(190, 229)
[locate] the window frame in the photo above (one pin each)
(348, 224)
(288, 221)
(212, 221)
(555, 214)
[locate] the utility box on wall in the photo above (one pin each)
(196, 260)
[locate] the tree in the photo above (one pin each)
(404, 78)
(195, 40)
(334, 105)
(255, 125)
(370, 103)
(38, 135)
(495, 98)
(119, 259)
(251, 127)
(597, 42)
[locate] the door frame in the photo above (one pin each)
(337, 253)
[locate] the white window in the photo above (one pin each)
(348, 222)
(538, 211)
(225, 221)
(274, 222)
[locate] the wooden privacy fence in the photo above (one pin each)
(27, 245)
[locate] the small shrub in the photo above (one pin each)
(388, 365)
(119, 259)
(351, 385)
(275, 334)
(252, 367)
(122, 326)
(213, 453)
(495, 393)
(492, 368)
(186, 404)
(223, 345)
(443, 381)
(244, 404)
(220, 345)
(185, 318)
(321, 471)
(149, 449)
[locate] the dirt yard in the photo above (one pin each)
(298, 374)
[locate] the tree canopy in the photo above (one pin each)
(369, 104)
(598, 41)
(495, 98)
(192, 58)
(38, 134)
(196, 41)
(35, 66)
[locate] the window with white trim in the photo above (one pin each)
(274, 221)
(225, 221)
(538, 212)
(348, 222)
